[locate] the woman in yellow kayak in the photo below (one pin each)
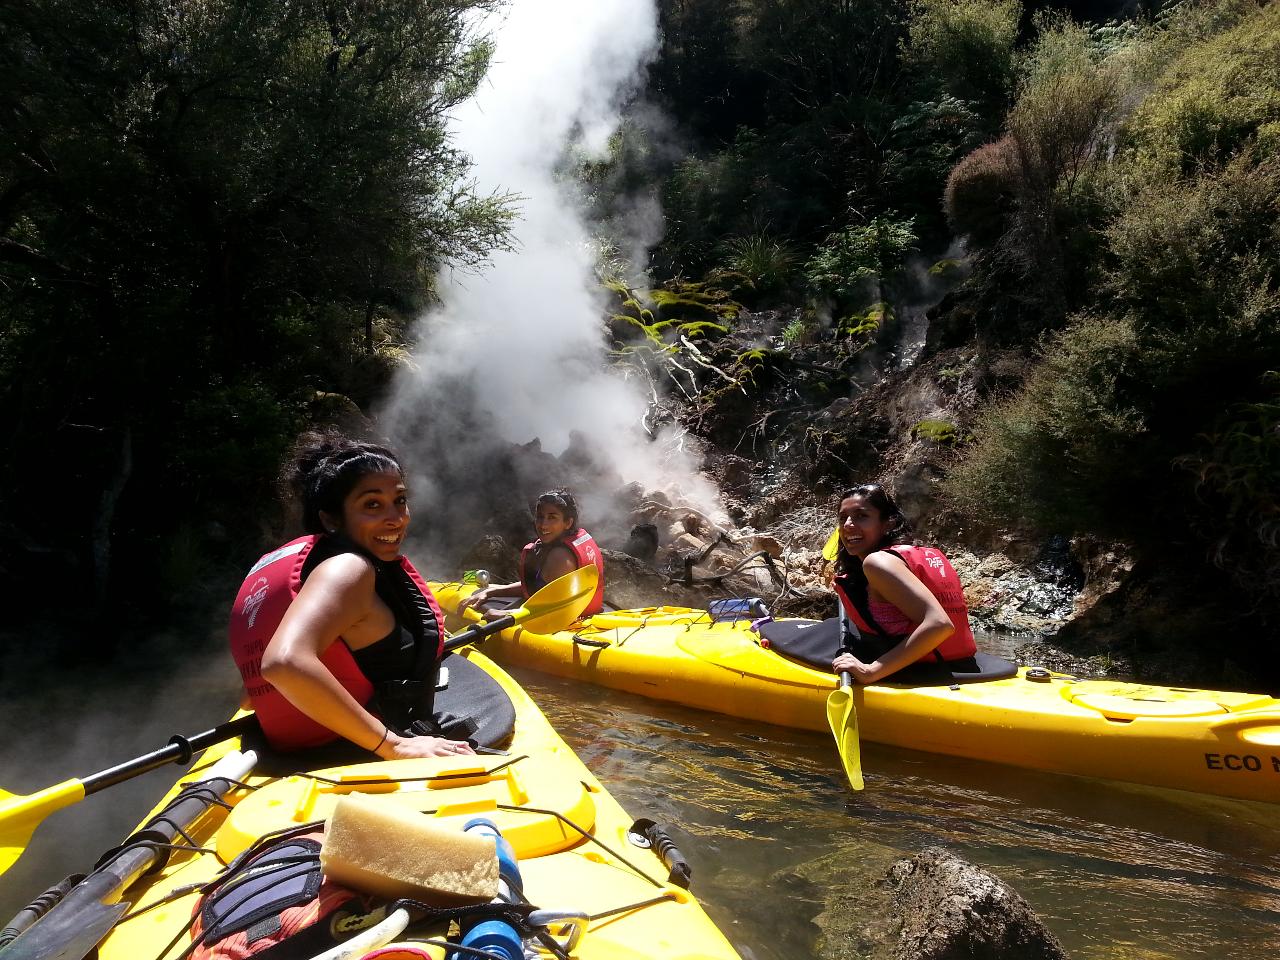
(562, 547)
(906, 601)
(335, 633)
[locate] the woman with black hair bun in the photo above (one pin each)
(335, 633)
(562, 547)
(906, 601)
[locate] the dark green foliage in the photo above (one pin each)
(1152, 416)
(861, 259)
(966, 49)
(208, 212)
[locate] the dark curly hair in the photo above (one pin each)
(324, 466)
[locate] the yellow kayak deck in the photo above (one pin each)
(569, 834)
(1202, 740)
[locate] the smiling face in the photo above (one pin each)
(375, 514)
(861, 526)
(550, 521)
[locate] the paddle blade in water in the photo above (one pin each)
(842, 715)
(21, 814)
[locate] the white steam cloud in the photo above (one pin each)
(518, 352)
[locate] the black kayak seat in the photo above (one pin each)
(471, 695)
(815, 643)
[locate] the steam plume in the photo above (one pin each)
(517, 353)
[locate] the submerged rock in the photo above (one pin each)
(933, 906)
(953, 910)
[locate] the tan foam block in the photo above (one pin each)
(386, 849)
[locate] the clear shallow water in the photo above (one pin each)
(762, 813)
(773, 833)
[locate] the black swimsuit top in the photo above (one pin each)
(391, 658)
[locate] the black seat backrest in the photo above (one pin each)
(815, 643)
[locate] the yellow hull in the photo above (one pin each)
(1202, 740)
(560, 869)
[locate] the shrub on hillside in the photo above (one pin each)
(1215, 98)
(981, 192)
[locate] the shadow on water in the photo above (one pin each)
(775, 837)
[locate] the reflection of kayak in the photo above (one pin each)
(570, 837)
(1201, 740)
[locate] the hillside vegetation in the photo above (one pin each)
(218, 218)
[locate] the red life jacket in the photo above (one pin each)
(934, 570)
(585, 552)
(259, 607)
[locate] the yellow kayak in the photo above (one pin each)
(606, 891)
(1202, 740)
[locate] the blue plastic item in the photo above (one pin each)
(496, 937)
(727, 611)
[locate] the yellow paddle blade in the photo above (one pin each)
(21, 814)
(831, 549)
(842, 715)
(560, 602)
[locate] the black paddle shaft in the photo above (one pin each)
(180, 750)
(478, 632)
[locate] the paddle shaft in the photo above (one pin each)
(180, 750)
(478, 632)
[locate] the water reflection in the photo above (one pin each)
(776, 838)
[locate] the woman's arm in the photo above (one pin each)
(892, 579)
(337, 597)
(490, 592)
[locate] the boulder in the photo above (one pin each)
(643, 542)
(631, 583)
(953, 910)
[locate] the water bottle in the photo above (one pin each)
(496, 937)
(728, 611)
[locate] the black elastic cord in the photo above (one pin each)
(375, 781)
(640, 905)
(565, 820)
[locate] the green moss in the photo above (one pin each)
(637, 326)
(702, 329)
(936, 431)
(867, 323)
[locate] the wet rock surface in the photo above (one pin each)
(953, 910)
(933, 906)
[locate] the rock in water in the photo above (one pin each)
(952, 910)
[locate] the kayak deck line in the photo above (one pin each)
(1216, 742)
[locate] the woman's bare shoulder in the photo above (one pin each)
(343, 572)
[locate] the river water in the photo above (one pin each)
(785, 857)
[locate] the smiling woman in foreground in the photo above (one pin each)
(906, 600)
(336, 634)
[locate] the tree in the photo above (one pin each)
(205, 207)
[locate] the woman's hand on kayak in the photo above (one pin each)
(859, 671)
(480, 596)
(397, 747)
